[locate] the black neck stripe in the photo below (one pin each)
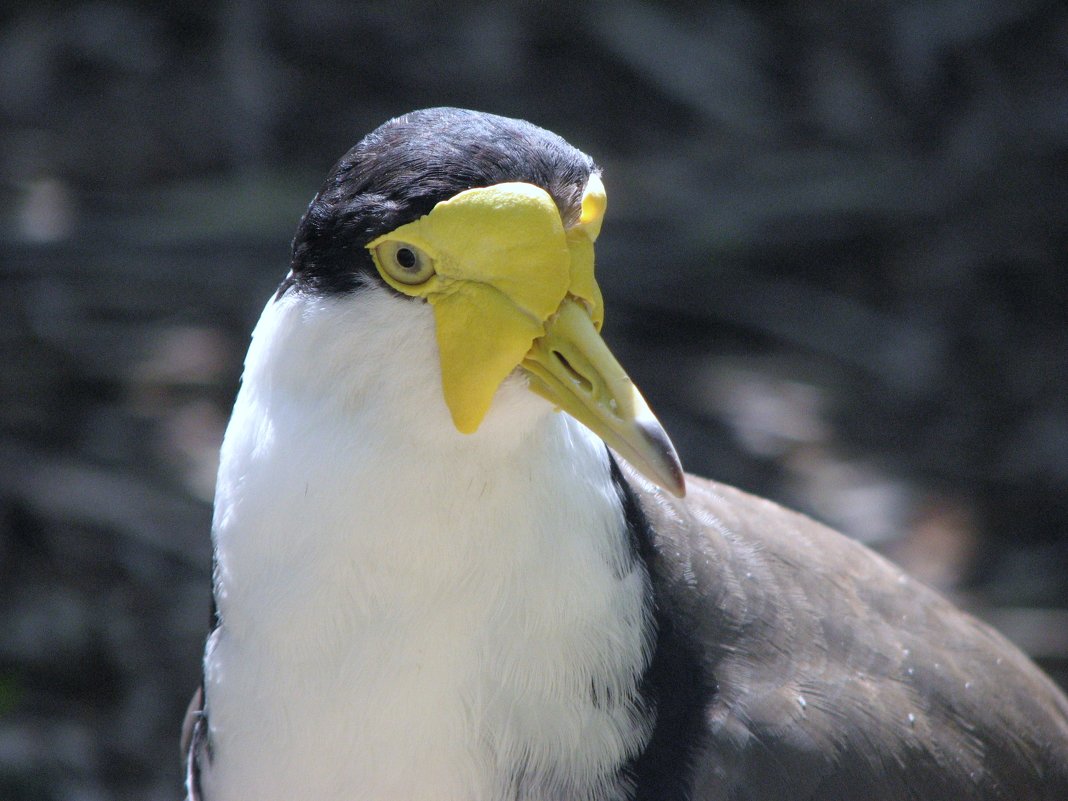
(676, 685)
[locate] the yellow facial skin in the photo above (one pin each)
(510, 287)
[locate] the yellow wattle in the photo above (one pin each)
(503, 265)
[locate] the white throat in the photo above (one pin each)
(409, 612)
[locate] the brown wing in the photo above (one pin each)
(836, 675)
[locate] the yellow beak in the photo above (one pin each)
(572, 367)
(512, 288)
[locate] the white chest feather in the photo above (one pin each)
(409, 612)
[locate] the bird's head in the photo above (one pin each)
(491, 222)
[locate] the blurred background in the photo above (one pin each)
(835, 260)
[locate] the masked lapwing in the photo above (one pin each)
(456, 558)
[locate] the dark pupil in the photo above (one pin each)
(406, 258)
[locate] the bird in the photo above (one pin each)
(456, 556)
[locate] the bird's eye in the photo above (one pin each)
(403, 262)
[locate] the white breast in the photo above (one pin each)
(408, 612)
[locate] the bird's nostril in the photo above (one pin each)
(576, 376)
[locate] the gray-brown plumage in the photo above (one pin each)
(828, 673)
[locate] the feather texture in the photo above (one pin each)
(408, 612)
(837, 677)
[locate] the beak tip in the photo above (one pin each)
(678, 488)
(664, 468)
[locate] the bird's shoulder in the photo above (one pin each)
(836, 673)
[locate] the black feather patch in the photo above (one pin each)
(675, 686)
